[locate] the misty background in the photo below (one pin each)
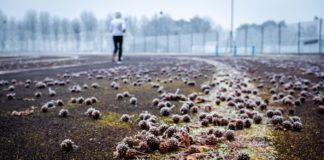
(35, 30)
(86, 32)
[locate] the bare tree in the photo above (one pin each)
(31, 29)
(65, 32)
(86, 32)
(76, 32)
(45, 29)
(200, 25)
(89, 27)
(56, 32)
(11, 34)
(3, 28)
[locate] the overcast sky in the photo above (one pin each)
(246, 11)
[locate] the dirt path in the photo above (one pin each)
(307, 144)
(257, 141)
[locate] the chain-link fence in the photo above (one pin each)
(299, 38)
(193, 43)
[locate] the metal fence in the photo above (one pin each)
(299, 38)
(194, 43)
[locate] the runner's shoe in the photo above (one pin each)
(113, 58)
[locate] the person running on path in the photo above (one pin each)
(118, 28)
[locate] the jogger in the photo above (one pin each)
(118, 28)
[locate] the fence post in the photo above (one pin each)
(134, 44)
(204, 41)
(253, 50)
(155, 43)
(217, 43)
(262, 38)
(234, 50)
(216, 51)
(279, 37)
(245, 38)
(217, 38)
(298, 36)
(144, 43)
(191, 42)
(167, 42)
(179, 43)
(320, 36)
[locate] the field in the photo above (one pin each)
(158, 107)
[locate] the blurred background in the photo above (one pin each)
(205, 27)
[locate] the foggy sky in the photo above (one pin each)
(246, 11)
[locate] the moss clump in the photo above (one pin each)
(167, 120)
(112, 119)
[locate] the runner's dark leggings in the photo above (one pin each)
(118, 43)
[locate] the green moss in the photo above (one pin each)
(156, 155)
(112, 119)
(72, 105)
(223, 84)
(3, 114)
(145, 86)
(165, 119)
(197, 131)
(222, 150)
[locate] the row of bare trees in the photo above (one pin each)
(42, 32)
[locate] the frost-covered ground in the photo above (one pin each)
(228, 107)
